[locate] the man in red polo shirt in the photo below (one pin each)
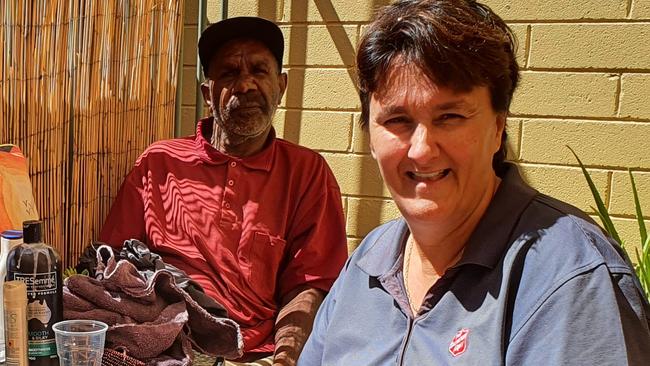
(256, 220)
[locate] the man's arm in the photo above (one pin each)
(294, 323)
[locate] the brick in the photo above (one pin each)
(565, 94)
(188, 92)
(558, 9)
(360, 138)
(357, 174)
(622, 202)
(320, 89)
(521, 34)
(189, 46)
(330, 131)
(599, 143)
(319, 45)
(513, 129)
(267, 9)
(187, 121)
(331, 10)
(573, 46)
(554, 181)
(635, 96)
(191, 11)
(628, 230)
(279, 122)
(353, 244)
(365, 214)
(640, 9)
(243, 8)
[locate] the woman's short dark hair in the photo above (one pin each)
(459, 44)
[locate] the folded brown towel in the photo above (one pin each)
(149, 317)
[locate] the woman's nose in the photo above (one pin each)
(423, 146)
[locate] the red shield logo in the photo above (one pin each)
(458, 345)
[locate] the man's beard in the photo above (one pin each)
(241, 119)
(245, 116)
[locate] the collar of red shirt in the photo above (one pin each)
(261, 160)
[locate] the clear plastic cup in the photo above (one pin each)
(80, 342)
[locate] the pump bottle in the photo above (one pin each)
(38, 265)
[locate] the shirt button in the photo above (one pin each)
(227, 205)
(231, 182)
(233, 164)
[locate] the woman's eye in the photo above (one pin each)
(450, 116)
(395, 120)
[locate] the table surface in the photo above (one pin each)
(199, 360)
(202, 360)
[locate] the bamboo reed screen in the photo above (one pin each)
(86, 85)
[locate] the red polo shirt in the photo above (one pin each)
(249, 230)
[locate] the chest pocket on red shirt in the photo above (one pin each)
(264, 254)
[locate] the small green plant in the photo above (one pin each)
(71, 271)
(642, 265)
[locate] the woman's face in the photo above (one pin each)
(434, 146)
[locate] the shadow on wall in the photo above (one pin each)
(296, 84)
(295, 93)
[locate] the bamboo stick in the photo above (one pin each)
(97, 79)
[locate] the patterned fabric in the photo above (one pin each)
(267, 361)
(16, 197)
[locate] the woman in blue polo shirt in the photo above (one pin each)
(481, 268)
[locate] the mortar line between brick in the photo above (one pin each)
(529, 32)
(521, 140)
(579, 118)
(629, 9)
(374, 198)
(508, 21)
(573, 165)
(623, 21)
(617, 100)
(608, 199)
(586, 70)
(579, 70)
(351, 135)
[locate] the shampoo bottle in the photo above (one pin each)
(39, 267)
(8, 240)
(15, 315)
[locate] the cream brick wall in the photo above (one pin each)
(585, 83)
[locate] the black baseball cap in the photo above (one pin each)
(217, 34)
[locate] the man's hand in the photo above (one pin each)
(294, 323)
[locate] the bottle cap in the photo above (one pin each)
(15, 293)
(32, 231)
(12, 234)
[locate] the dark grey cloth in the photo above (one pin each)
(538, 284)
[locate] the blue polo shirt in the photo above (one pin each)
(538, 284)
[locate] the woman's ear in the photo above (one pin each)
(372, 149)
(501, 125)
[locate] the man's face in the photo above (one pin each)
(243, 89)
(434, 146)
